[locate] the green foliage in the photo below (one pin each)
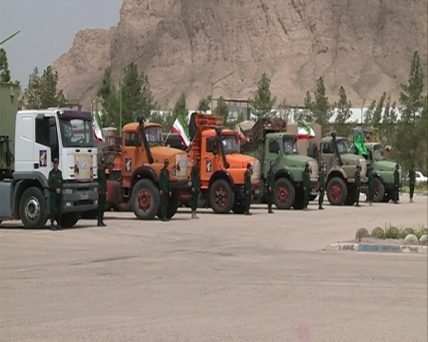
(164, 119)
(378, 233)
(368, 114)
(42, 90)
(263, 101)
(180, 107)
(222, 108)
(392, 233)
(344, 113)
(204, 105)
(377, 114)
(4, 67)
(421, 231)
(109, 100)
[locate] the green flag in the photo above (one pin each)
(359, 144)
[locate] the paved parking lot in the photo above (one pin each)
(220, 278)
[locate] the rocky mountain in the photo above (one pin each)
(366, 46)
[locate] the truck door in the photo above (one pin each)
(273, 149)
(46, 147)
(209, 162)
(130, 155)
(327, 154)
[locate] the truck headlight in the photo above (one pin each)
(173, 171)
(67, 191)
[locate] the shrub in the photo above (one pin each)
(378, 233)
(421, 231)
(392, 233)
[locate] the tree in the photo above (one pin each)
(344, 113)
(109, 100)
(377, 114)
(307, 114)
(42, 91)
(263, 101)
(204, 104)
(164, 119)
(222, 109)
(4, 67)
(408, 142)
(368, 114)
(180, 107)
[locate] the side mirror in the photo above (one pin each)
(215, 147)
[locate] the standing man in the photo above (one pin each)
(270, 187)
(321, 181)
(248, 188)
(396, 183)
(102, 192)
(55, 183)
(306, 186)
(412, 180)
(357, 184)
(196, 186)
(370, 184)
(164, 189)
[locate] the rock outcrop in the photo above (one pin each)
(366, 46)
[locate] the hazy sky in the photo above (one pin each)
(48, 28)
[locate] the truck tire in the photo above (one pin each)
(387, 197)
(337, 192)
(69, 220)
(221, 197)
(239, 207)
(173, 203)
(145, 200)
(33, 208)
(352, 196)
(285, 194)
(298, 200)
(379, 190)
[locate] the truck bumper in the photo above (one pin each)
(79, 197)
(179, 184)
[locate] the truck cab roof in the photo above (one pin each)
(135, 126)
(330, 139)
(66, 113)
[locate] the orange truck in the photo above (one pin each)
(222, 166)
(134, 171)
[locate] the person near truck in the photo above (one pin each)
(306, 186)
(370, 185)
(412, 180)
(248, 188)
(321, 180)
(270, 180)
(357, 184)
(55, 183)
(164, 189)
(102, 192)
(396, 183)
(195, 179)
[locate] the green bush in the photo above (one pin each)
(420, 231)
(392, 233)
(378, 233)
(402, 233)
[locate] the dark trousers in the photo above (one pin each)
(247, 201)
(194, 200)
(357, 195)
(164, 204)
(396, 194)
(306, 194)
(101, 207)
(55, 208)
(269, 197)
(321, 197)
(412, 189)
(370, 193)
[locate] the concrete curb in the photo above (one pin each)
(370, 247)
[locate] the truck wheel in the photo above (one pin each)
(285, 194)
(239, 207)
(173, 203)
(221, 197)
(33, 208)
(69, 220)
(337, 192)
(379, 190)
(387, 197)
(145, 200)
(352, 196)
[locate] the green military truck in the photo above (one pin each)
(383, 169)
(269, 142)
(333, 151)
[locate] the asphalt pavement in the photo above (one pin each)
(220, 278)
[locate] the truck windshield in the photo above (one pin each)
(154, 135)
(76, 133)
(230, 144)
(342, 146)
(290, 145)
(379, 154)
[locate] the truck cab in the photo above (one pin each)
(40, 137)
(222, 165)
(341, 167)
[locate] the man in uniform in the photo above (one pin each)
(357, 184)
(370, 189)
(306, 186)
(102, 192)
(248, 188)
(396, 183)
(195, 179)
(55, 182)
(412, 180)
(270, 182)
(321, 180)
(164, 189)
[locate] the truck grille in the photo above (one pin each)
(313, 170)
(256, 170)
(363, 164)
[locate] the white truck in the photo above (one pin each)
(38, 137)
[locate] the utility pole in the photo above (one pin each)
(10, 37)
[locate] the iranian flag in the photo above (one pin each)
(180, 128)
(97, 126)
(304, 131)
